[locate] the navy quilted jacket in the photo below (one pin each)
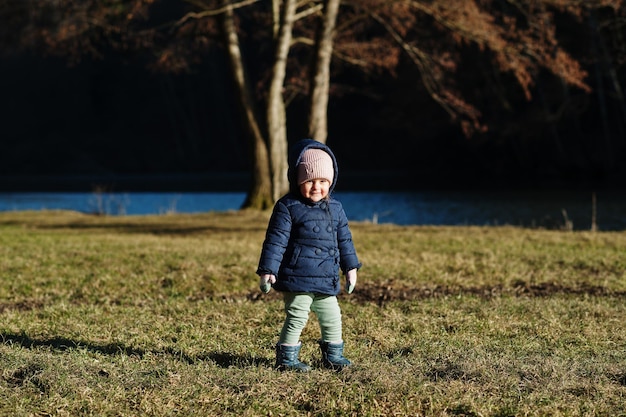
(307, 243)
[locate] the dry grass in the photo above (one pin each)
(161, 316)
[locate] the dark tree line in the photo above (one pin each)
(450, 90)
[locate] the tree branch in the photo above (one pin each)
(308, 12)
(213, 12)
(420, 59)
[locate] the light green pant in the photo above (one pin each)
(297, 309)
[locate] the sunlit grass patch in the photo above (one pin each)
(161, 315)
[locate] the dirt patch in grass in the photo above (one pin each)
(392, 291)
(22, 305)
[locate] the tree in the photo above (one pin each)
(270, 149)
(284, 17)
(261, 191)
(520, 39)
(320, 79)
(276, 117)
(74, 29)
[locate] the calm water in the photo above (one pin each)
(547, 209)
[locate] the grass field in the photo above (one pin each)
(162, 316)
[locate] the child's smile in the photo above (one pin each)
(315, 190)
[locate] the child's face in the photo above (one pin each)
(315, 190)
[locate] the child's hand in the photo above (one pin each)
(266, 281)
(350, 280)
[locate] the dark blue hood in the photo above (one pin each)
(295, 156)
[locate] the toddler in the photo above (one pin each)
(306, 244)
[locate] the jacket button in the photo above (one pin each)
(329, 229)
(318, 251)
(331, 252)
(316, 229)
(323, 206)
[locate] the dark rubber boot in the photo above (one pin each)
(332, 355)
(287, 359)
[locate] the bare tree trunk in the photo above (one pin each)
(603, 107)
(260, 194)
(608, 71)
(320, 77)
(276, 116)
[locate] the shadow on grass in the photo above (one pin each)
(221, 359)
(155, 229)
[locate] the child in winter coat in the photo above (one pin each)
(306, 244)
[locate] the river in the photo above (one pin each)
(536, 209)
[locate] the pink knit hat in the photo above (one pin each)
(315, 164)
